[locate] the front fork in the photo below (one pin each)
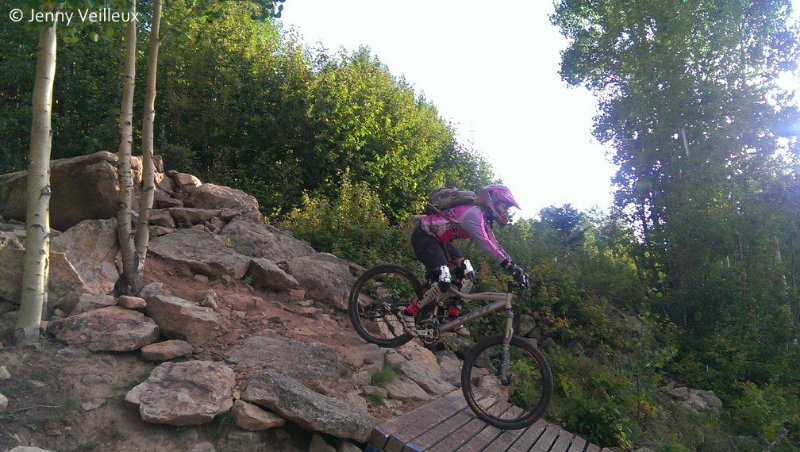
(504, 368)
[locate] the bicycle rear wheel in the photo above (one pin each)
(513, 404)
(378, 298)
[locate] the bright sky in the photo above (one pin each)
(492, 69)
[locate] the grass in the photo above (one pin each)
(222, 424)
(375, 399)
(385, 375)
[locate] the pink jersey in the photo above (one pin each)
(464, 222)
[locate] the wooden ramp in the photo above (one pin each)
(448, 425)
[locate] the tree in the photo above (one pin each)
(125, 232)
(37, 220)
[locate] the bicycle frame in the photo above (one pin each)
(501, 301)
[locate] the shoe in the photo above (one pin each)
(409, 323)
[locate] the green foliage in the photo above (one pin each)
(352, 226)
(383, 376)
(375, 399)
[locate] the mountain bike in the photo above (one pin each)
(505, 379)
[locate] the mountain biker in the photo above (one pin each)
(432, 242)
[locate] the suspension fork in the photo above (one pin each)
(504, 368)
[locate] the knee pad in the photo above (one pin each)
(465, 270)
(442, 275)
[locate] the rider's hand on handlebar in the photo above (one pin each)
(519, 275)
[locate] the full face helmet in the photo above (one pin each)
(496, 200)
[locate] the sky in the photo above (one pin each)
(491, 68)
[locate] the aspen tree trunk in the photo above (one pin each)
(148, 171)
(124, 227)
(37, 224)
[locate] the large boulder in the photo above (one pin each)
(182, 319)
(323, 279)
(167, 350)
(202, 252)
(426, 379)
(293, 401)
(257, 239)
(187, 393)
(64, 284)
(92, 247)
(319, 361)
(404, 388)
(83, 188)
(89, 302)
(211, 196)
(107, 329)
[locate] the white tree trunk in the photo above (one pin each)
(124, 226)
(148, 171)
(37, 224)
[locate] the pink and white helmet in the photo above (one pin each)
(491, 196)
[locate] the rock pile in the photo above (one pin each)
(693, 400)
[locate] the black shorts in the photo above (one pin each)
(430, 252)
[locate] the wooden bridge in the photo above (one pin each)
(448, 425)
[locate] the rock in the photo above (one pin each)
(3, 403)
(251, 417)
(64, 285)
(4, 373)
(681, 393)
(354, 398)
(129, 302)
(91, 246)
(202, 252)
(152, 289)
(414, 351)
(200, 278)
(525, 325)
(318, 444)
(324, 281)
(28, 449)
(182, 319)
(256, 239)
(267, 275)
(107, 329)
(83, 188)
(309, 410)
(162, 199)
(167, 350)
(184, 215)
(210, 196)
(88, 302)
(421, 375)
(186, 182)
(161, 217)
(451, 368)
(240, 302)
(347, 446)
(461, 346)
(406, 389)
(187, 393)
(210, 300)
(72, 353)
(202, 447)
(703, 400)
(160, 230)
(319, 361)
(93, 404)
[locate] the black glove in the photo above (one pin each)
(519, 275)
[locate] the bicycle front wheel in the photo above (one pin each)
(521, 398)
(378, 298)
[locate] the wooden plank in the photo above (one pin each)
(380, 434)
(460, 436)
(593, 448)
(547, 439)
(485, 437)
(443, 430)
(443, 409)
(578, 444)
(563, 442)
(529, 437)
(505, 438)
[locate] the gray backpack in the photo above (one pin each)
(448, 197)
